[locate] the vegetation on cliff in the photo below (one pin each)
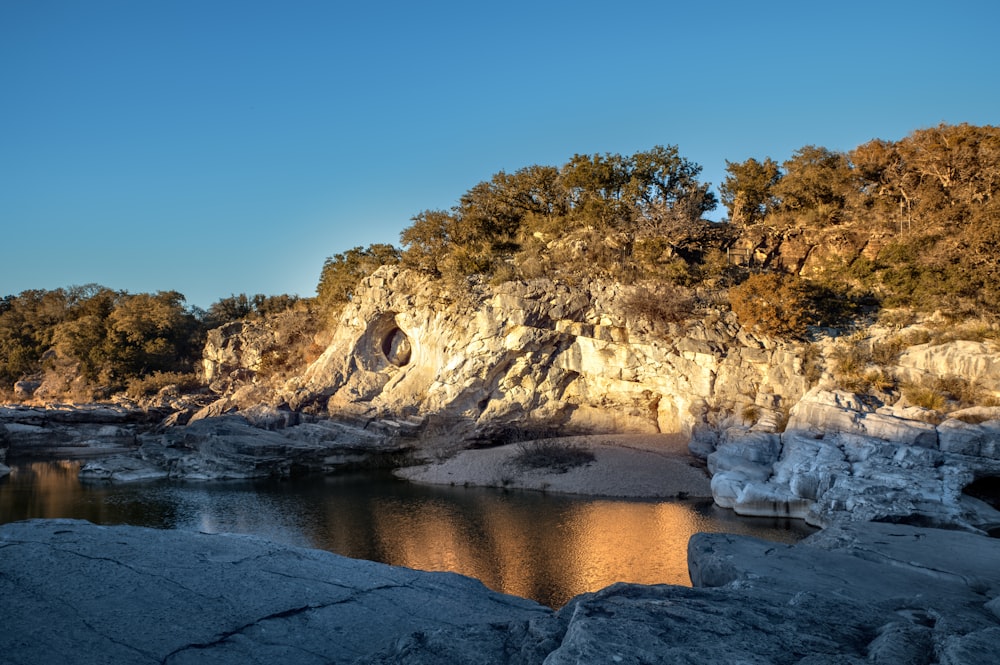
(912, 223)
(91, 341)
(821, 238)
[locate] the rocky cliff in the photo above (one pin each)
(541, 355)
(783, 426)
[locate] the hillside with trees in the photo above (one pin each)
(823, 238)
(913, 223)
(90, 342)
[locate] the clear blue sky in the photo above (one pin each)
(216, 147)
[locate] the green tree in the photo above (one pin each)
(816, 180)
(147, 333)
(342, 272)
(748, 190)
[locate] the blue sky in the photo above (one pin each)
(217, 147)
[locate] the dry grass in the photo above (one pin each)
(551, 454)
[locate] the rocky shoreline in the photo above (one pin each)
(853, 593)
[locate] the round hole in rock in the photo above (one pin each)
(396, 347)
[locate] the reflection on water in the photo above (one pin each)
(546, 547)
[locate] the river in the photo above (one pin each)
(542, 546)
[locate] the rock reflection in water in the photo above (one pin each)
(546, 547)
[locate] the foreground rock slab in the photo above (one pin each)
(73, 592)
(852, 594)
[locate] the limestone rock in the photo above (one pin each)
(71, 430)
(854, 593)
(976, 362)
(231, 447)
(535, 354)
(147, 595)
(980, 440)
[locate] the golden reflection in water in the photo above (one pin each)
(582, 547)
(55, 486)
(546, 547)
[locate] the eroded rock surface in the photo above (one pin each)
(839, 459)
(260, 443)
(73, 592)
(71, 430)
(538, 354)
(856, 593)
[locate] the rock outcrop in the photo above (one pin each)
(888, 594)
(259, 443)
(840, 459)
(539, 355)
(71, 430)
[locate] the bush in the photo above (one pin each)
(671, 305)
(551, 454)
(773, 304)
(144, 386)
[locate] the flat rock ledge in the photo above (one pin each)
(856, 593)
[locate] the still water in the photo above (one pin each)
(546, 547)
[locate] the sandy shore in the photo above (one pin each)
(625, 465)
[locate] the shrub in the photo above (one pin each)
(661, 307)
(887, 351)
(924, 396)
(812, 364)
(773, 304)
(151, 384)
(551, 454)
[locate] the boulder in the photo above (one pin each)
(976, 362)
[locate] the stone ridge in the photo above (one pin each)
(490, 364)
(854, 593)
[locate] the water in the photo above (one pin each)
(546, 547)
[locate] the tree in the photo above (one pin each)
(816, 180)
(748, 190)
(664, 189)
(342, 272)
(147, 333)
(426, 240)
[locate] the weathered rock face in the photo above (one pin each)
(861, 593)
(839, 459)
(235, 352)
(259, 443)
(72, 431)
(538, 353)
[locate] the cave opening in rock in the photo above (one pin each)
(985, 489)
(396, 347)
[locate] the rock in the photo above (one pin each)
(71, 430)
(121, 469)
(534, 354)
(839, 411)
(857, 593)
(230, 447)
(899, 594)
(25, 389)
(980, 440)
(976, 362)
(840, 460)
(146, 595)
